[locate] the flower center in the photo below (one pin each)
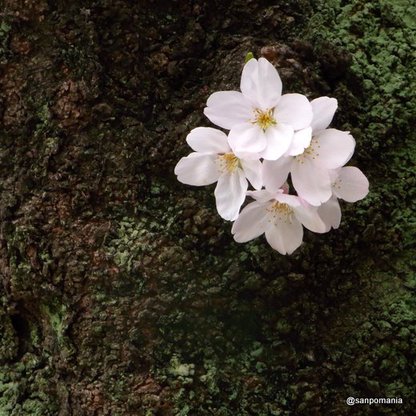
(310, 152)
(280, 212)
(228, 162)
(264, 119)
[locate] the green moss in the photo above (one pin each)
(57, 316)
(19, 397)
(5, 28)
(382, 75)
(380, 44)
(132, 238)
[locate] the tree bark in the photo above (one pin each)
(122, 291)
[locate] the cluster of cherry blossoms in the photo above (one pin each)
(270, 136)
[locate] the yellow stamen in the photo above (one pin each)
(280, 211)
(264, 119)
(310, 152)
(228, 162)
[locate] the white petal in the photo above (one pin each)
(323, 109)
(295, 110)
(261, 83)
(279, 138)
(197, 169)
(275, 172)
(309, 217)
(230, 194)
(250, 223)
(333, 174)
(286, 236)
(330, 212)
(312, 183)
(351, 185)
(228, 108)
(263, 195)
(247, 156)
(208, 140)
(291, 200)
(334, 148)
(247, 138)
(301, 140)
(253, 170)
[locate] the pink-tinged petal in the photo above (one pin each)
(330, 212)
(285, 236)
(251, 222)
(263, 195)
(279, 138)
(275, 173)
(334, 148)
(226, 109)
(247, 138)
(309, 218)
(295, 110)
(208, 140)
(253, 170)
(351, 184)
(230, 194)
(301, 140)
(312, 183)
(291, 200)
(197, 169)
(261, 83)
(323, 109)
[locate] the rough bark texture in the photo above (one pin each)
(122, 291)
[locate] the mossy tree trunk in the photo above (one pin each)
(122, 292)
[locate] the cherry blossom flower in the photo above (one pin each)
(349, 184)
(213, 161)
(261, 120)
(280, 217)
(271, 136)
(310, 160)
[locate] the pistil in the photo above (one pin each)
(264, 119)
